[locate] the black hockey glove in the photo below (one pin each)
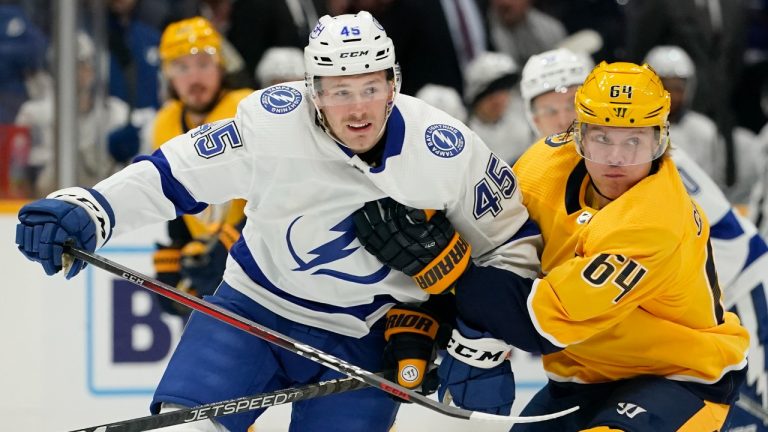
(410, 333)
(167, 260)
(203, 260)
(421, 243)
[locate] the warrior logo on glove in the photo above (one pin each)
(410, 333)
(421, 243)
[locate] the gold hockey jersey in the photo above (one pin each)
(169, 123)
(629, 289)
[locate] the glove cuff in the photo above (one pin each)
(411, 372)
(411, 332)
(484, 352)
(411, 320)
(95, 205)
(439, 275)
(167, 260)
(228, 235)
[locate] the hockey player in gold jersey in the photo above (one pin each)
(193, 67)
(628, 294)
(627, 310)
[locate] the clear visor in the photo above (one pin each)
(620, 146)
(337, 91)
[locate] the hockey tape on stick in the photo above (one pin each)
(229, 407)
(295, 346)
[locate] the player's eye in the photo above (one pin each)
(342, 94)
(370, 91)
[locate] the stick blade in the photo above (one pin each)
(481, 416)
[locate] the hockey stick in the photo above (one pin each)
(229, 407)
(295, 346)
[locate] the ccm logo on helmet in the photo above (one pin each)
(354, 54)
(438, 272)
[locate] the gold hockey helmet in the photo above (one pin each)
(622, 95)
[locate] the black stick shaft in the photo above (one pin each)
(230, 407)
(293, 345)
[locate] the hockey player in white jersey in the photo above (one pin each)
(306, 156)
(697, 134)
(741, 255)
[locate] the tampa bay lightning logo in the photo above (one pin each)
(331, 251)
(316, 31)
(444, 140)
(280, 99)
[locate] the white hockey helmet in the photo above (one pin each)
(86, 50)
(549, 71)
(485, 71)
(445, 98)
(553, 70)
(671, 61)
(280, 64)
(349, 44)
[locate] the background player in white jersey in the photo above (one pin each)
(758, 202)
(696, 133)
(444, 97)
(494, 104)
(741, 257)
(306, 156)
(279, 65)
(548, 85)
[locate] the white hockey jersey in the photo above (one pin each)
(298, 255)
(697, 135)
(509, 137)
(741, 260)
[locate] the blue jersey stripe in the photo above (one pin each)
(395, 138)
(529, 229)
(245, 259)
(727, 228)
(757, 248)
(172, 188)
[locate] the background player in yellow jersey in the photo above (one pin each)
(627, 309)
(193, 67)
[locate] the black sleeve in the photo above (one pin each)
(495, 300)
(178, 232)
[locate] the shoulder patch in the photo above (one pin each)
(280, 99)
(557, 140)
(444, 141)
